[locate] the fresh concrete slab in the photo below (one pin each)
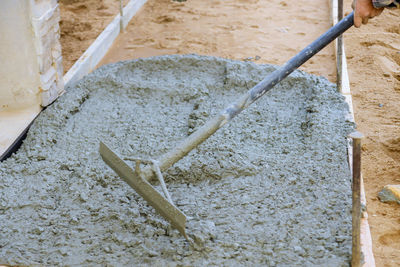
(270, 188)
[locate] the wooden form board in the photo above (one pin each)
(98, 49)
(344, 85)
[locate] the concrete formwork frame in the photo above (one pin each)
(343, 84)
(45, 16)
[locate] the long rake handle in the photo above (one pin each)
(210, 127)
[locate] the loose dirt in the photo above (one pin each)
(373, 54)
(81, 22)
(270, 188)
(260, 31)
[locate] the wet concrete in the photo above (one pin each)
(270, 188)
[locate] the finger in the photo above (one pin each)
(357, 20)
(377, 12)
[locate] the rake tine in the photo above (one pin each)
(169, 211)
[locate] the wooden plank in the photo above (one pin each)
(130, 10)
(349, 102)
(344, 83)
(345, 86)
(365, 233)
(89, 59)
(356, 206)
(92, 56)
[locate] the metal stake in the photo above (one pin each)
(339, 52)
(356, 211)
(121, 13)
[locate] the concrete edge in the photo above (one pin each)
(98, 49)
(365, 233)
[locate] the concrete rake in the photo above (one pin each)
(139, 179)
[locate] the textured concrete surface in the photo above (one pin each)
(270, 188)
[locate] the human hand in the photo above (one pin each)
(363, 11)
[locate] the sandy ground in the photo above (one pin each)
(272, 32)
(373, 54)
(81, 22)
(255, 30)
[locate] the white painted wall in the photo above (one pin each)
(31, 71)
(19, 76)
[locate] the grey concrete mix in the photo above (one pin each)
(271, 188)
